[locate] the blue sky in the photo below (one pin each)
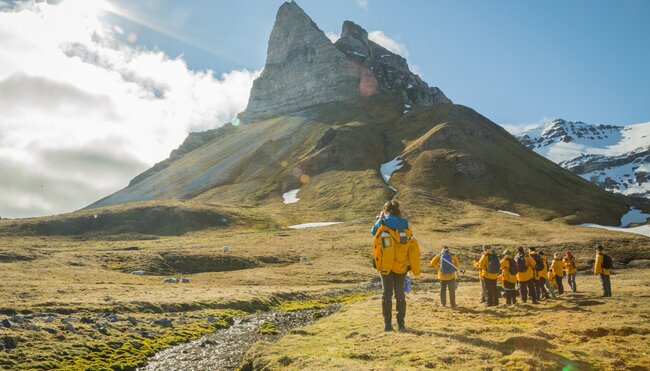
(517, 62)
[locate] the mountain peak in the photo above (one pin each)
(303, 69)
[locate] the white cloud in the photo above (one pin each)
(389, 43)
(363, 4)
(333, 36)
(81, 112)
(516, 129)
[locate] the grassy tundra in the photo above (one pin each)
(85, 310)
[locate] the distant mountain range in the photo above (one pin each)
(616, 158)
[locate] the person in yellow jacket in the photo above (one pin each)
(557, 265)
(509, 277)
(602, 271)
(490, 267)
(539, 274)
(571, 268)
(395, 252)
(551, 281)
(447, 265)
(526, 276)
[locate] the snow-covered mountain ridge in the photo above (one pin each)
(615, 157)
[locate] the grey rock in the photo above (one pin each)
(211, 319)
(2, 345)
(163, 322)
(138, 273)
(303, 68)
(33, 327)
(112, 317)
(48, 319)
(103, 330)
(136, 344)
(132, 320)
(115, 344)
(88, 320)
(170, 280)
(51, 330)
(70, 327)
(185, 280)
(6, 323)
(9, 342)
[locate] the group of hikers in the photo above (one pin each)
(396, 253)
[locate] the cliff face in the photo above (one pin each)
(303, 68)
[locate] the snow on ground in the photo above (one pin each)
(508, 212)
(390, 167)
(313, 225)
(642, 230)
(290, 197)
(634, 216)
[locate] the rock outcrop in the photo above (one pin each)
(304, 68)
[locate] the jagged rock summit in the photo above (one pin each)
(304, 68)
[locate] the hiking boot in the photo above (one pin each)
(388, 327)
(401, 327)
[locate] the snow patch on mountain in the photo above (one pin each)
(616, 158)
(290, 197)
(390, 167)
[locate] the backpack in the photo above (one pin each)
(513, 268)
(493, 265)
(521, 264)
(607, 262)
(387, 241)
(539, 262)
(446, 266)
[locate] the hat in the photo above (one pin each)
(506, 252)
(485, 247)
(541, 253)
(445, 249)
(520, 250)
(599, 247)
(532, 248)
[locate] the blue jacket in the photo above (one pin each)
(392, 222)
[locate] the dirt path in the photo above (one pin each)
(225, 349)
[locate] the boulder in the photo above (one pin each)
(170, 280)
(70, 327)
(138, 273)
(6, 323)
(185, 280)
(163, 322)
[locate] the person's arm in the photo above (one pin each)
(435, 262)
(456, 262)
(598, 264)
(376, 226)
(483, 262)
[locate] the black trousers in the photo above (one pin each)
(540, 286)
(451, 285)
(607, 284)
(511, 296)
(527, 289)
(560, 286)
(490, 291)
(393, 283)
(571, 278)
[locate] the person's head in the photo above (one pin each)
(392, 207)
(599, 248)
(520, 250)
(568, 254)
(532, 249)
(556, 256)
(541, 253)
(486, 248)
(445, 250)
(506, 252)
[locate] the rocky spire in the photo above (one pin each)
(303, 68)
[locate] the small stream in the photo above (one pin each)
(225, 349)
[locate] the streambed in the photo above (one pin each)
(225, 349)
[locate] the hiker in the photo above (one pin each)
(557, 265)
(447, 266)
(550, 283)
(526, 276)
(509, 277)
(571, 268)
(539, 273)
(490, 267)
(395, 253)
(602, 266)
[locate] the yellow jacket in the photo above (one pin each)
(435, 263)
(392, 256)
(570, 265)
(558, 267)
(539, 274)
(598, 265)
(530, 269)
(505, 270)
(551, 279)
(482, 266)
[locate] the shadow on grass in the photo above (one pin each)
(538, 347)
